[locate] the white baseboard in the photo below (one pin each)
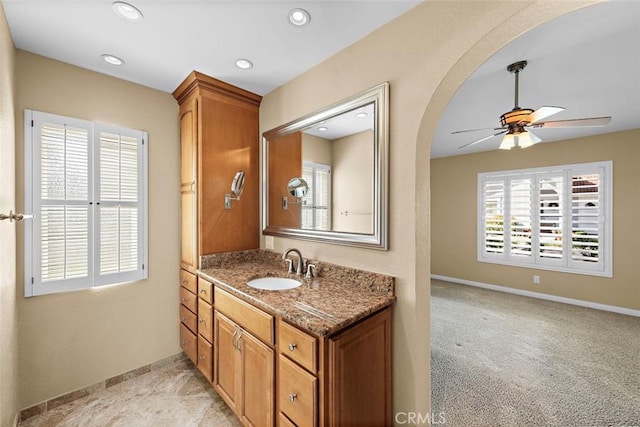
(589, 304)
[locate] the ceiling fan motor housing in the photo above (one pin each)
(515, 116)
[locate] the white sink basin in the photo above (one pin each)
(274, 283)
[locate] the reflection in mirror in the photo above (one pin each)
(341, 154)
(297, 187)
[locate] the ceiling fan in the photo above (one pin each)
(516, 124)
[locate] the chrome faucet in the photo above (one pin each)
(301, 263)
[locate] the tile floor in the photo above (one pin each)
(174, 395)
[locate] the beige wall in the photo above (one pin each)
(8, 313)
(70, 340)
(352, 183)
(425, 54)
(454, 210)
(316, 149)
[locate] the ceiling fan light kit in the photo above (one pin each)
(514, 123)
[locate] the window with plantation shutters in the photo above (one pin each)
(316, 209)
(85, 183)
(559, 218)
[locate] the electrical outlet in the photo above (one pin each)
(536, 280)
(268, 242)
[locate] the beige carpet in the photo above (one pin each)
(504, 360)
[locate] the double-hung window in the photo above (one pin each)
(86, 184)
(316, 209)
(556, 218)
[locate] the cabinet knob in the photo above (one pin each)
(201, 357)
(293, 397)
(184, 319)
(184, 281)
(183, 299)
(203, 291)
(292, 346)
(201, 320)
(184, 342)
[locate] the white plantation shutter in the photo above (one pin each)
(588, 214)
(559, 218)
(521, 214)
(119, 204)
(492, 216)
(316, 211)
(86, 185)
(551, 189)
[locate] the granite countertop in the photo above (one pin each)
(324, 305)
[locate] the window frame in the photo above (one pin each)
(33, 284)
(566, 263)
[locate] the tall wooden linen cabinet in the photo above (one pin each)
(219, 136)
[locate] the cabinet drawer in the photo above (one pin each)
(189, 343)
(189, 300)
(188, 318)
(297, 393)
(298, 345)
(252, 319)
(188, 280)
(204, 290)
(205, 320)
(205, 358)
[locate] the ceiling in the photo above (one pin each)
(178, 36)
(344, 124)
(587, 61)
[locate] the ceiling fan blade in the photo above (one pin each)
(591, 121)
(542, 113)
(481, 139)
(474, 130)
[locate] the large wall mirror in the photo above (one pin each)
(326, 174)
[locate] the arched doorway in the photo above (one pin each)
(483, 49)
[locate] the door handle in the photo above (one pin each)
(15, 216)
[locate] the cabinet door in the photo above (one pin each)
(226, 364)
(360, 380)
(257, 381)
(188, 184)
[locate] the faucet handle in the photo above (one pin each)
(311, 271)
(289, 263)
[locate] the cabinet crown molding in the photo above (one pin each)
(196, 79)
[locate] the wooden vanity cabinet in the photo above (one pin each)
(219, 135)
(342, 380)
(271, 372)
(244, 359)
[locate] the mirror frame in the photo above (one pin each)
(379, 95)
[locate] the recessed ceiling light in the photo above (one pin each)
(245, 64)
(127, 11)
(361, 115)
(322, 128)
(111, 59)
(299, 17)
